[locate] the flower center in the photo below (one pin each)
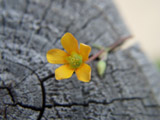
(74, 60)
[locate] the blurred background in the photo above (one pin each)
(143, 19)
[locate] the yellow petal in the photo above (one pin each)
(84, 73)
(69, 43)
(56, 56)
(84, 51)
(63, 72)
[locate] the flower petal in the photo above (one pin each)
(84, 73)
(63, 72)
(56, 56)
(84, 51)
(69, 43)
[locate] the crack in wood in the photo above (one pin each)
(4, 24)
(9, 92)
(120, 114)
(21, 19)
(55, 104)
(5, 112)
(43, 101)
(41, 110)
(43, 16)
(66, 30)
(25, 106)
(135, 114)
(152, 106)
(15, 103)
(63, 2)
(25, 12)
(149, 115)
(48, 77)
(28, 106)
(88, 22)
(98, 36)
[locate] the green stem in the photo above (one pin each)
(109, 49)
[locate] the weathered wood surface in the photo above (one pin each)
(28, 89)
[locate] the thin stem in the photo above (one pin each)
(118, 43)
(95, 56)
(111, 48)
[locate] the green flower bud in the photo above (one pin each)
(101, 67)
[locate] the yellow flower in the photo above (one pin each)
(73, 59)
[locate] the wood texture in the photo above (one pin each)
(28, 89)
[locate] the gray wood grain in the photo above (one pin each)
(28, 89)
